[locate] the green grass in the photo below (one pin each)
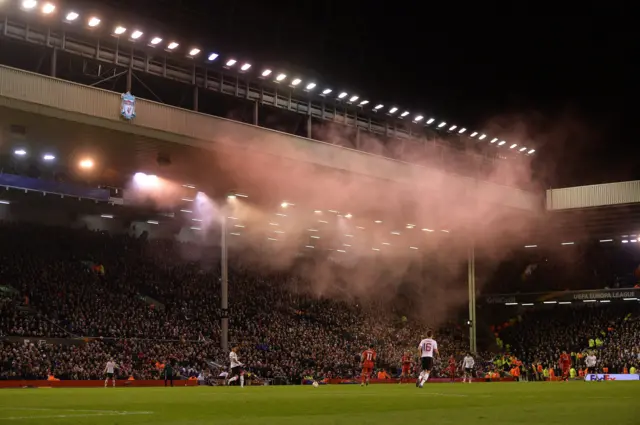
(604, 403)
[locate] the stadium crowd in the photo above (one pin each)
(137, 302)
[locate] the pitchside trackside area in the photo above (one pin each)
(608, 403)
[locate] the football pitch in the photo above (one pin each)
(611, 403)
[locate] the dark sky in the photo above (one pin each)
(570, 76)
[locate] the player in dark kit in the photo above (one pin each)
(168, 373)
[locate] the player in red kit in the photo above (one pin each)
(368, 357)
(406, 366)
(452, 368)
(565, 365)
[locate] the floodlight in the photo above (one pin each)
(482, 137)
(379, 106)
(194, 51)
(48, 8)
(502, 142)
(86, 164)
(418, 118)
(284, 204)
(20, 152)
(72, 16)
(266, 72)
(156, 40)
(342, 95)
(29, 4)
(495, 139)
(281, 77)
(353, 98)
(326, 91)
(153, 222)
(393, 110)
(106, 215)
(348, 215)
(431, 120)
(136, 34)
(311, 86)
(453, 127)
(4, 202)
(404, 114)
(474, 134)
(462, 130)
(213, 56)
(172, 45)
(119, 30)
(296, 81)
(364, 102)
(442, 124)
(245, 67)
(522, 149)
(531, 151)
(513, 146)
(231, 62)
(94, 22)
(48, 157)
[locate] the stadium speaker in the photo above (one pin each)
(163, 159)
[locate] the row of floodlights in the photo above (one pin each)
(569, 302)
(22, 153)
(633, 240)
(135, 34)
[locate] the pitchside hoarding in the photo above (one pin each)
(613, 377)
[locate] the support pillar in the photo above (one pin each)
(224, 288)
(129, 80)
(54, 62)
(196, 94)
(471, 278)
(256, 111)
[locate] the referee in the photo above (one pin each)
(168, 373)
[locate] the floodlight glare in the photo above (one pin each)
(281, 77)
(296, 81)
(245, 67)
(156, 40)
(453, 127)
(29, 4)
(379, 106)
(474, 134)
(482, 137)
(231, 62)
(418, 118)
(94, 22)
(119, 30)
(364, 102)
(71, 16)
(48, 8)
(311, 86)
(404, 114)
(86, 164)
(523, 149)
(393, 110)
(48, 157)
(194, 51)
(20, 152)
(342, 95)
(172, 45)
(531, 151)
(495, 139)
(431, 120)
(213, 56)
(462, 130)
(502, 142)
(266, 72)
(442, 124)
(353, 98)
(326, 91)
(136, 34)
(513, 146)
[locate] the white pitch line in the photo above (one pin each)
(79, 414)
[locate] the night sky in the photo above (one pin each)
(568, 79)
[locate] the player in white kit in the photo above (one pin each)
(428, 348)
(467, 364)
(110, 371)
(591, 361)
(236, 368)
